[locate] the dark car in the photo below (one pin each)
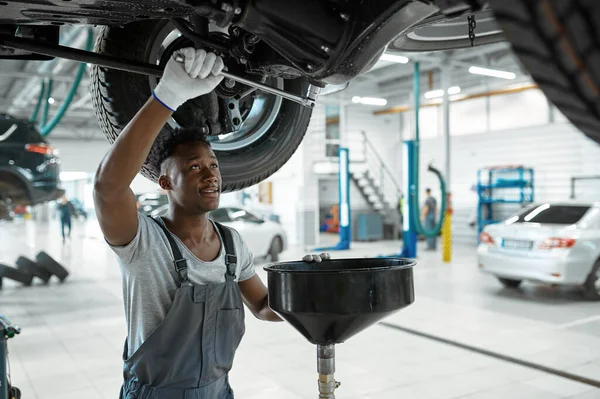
(29, 167)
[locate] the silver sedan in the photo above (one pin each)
(556, 243)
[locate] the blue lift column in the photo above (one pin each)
(344, 208)
(409, 225)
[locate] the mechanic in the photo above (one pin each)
(184, 276)
(429, 218)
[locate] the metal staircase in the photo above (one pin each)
(376, 182)
(371, 176)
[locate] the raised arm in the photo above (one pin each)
(113, 199)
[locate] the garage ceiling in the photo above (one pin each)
(20, 81)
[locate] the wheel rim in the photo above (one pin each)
(597, 281)
(261, 110)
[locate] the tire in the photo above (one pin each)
(591, 287)
(15, 274)
(48, 263)
(510, 283)
(28, 266)
(275, 249)
(558, 41)
(118, 95)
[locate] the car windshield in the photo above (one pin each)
(550, 214)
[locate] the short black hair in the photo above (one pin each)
(165, 144)
(427, 190)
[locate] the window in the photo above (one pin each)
(550, 214)
(220, 216)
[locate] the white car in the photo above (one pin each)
(549, 243)
(264, 238)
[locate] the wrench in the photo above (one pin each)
(108, 61)
(308, 101)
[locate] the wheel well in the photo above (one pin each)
(279, 239)
(15, 187)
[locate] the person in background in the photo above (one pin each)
(428, 216)
(400, 208)
(64, 212)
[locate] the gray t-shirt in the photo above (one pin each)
(149, 277)
(431, 204)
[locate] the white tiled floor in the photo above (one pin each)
(73, 333)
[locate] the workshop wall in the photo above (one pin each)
(535, 135)
(556, 152)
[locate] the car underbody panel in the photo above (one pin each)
(102, 12)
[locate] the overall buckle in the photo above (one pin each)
(183, 264)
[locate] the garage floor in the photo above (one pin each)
(73, 333)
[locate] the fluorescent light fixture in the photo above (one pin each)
(394, 58)
(453, 90)
(434, 94)
(50, 101)
(492, 72)
(369, 100)
(440, 93)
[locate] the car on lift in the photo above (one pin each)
(553, 243)
(29, 166)
(296, 47)
(266, 239)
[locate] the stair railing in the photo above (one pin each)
(383, 176)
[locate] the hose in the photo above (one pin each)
(414, 194)
(46, 129)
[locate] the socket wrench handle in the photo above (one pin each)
(306, 101)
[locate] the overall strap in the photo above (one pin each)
(230, 257)
(179, 261)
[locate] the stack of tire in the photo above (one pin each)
(43, 268)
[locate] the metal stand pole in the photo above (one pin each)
(326, 370)
(3, 368)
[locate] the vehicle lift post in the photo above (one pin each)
(345, 230)
(409, 225)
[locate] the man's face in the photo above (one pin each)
(193, 178)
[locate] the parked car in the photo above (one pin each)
(265, 238)
(29, 166)
(298, 48)
(556, 243)
(149, 202)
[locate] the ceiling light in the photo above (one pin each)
(50, 101)
(369, 100)
(394, 58)
(492, 72)
(453, 90)
(440, 93)
(434, 94)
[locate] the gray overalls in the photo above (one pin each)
(190, 353)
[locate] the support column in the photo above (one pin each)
(447, 225)
(446, 118)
